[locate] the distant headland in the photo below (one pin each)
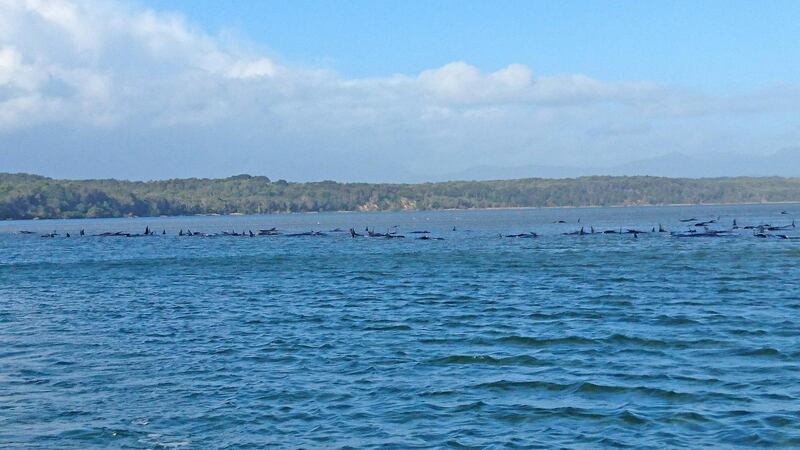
(25, 196)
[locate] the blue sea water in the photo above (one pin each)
(471, 341)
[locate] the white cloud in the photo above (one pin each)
(13, 73)
(66, 17)
(261, 67)
(96, 67)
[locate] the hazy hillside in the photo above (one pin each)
(25, 196)
(783, 163)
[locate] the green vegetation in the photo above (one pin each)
(25, 196)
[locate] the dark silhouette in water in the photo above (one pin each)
(784, 227)
(705, 233)
(580, 232)
(530, 235)
(760, 231)
(429, 238)
(706, 223)
(307, 233)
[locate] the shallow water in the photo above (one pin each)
(475, 340)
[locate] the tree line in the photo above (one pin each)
(25, 196)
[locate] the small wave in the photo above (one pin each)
(659, 343)
(544, 342)
(223, 351)
(635, 340)
(587, 388)
(11, 354)
(508, 385)
(698, 380)
(473, 406)
(732, 290)
(612, 300)
(74, 413)
(459, 445)
(689, 416)
(389, 328)
(779, 421)
(631, 418)
(523, 413)
(438, 393)
(763, 351)
(159, 441)
(743, 332)
(675, 320)
(521, 360)
(779, 397)
(611, 297)
(361, 278)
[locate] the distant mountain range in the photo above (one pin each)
(784, 163)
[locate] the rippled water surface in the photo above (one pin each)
(474, 340)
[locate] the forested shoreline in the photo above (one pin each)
(25, 196)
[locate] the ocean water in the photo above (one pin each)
(471, 341)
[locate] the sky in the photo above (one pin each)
(397, 90)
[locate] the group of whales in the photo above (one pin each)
(697, 228)
(421, 235)
(759, 231)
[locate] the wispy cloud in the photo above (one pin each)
(92, 69)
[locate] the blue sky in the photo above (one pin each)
(398, 90)
(711, 44)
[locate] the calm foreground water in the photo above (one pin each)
(475, 340)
